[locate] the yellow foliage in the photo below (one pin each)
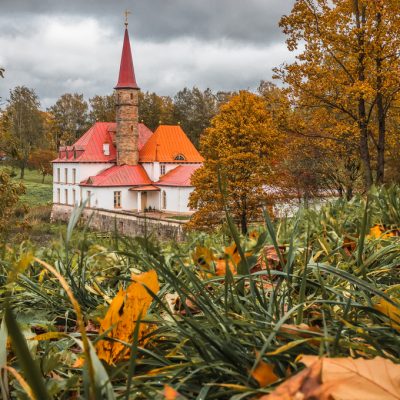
(390, 311)
(378, 232)
(125, 309)
(240, 146)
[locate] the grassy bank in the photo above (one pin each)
(228, 321)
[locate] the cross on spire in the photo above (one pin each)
(126, 13)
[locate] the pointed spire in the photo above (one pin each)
(126, 78)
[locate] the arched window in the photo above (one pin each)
(180, 157)
(164, 200)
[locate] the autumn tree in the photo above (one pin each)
(21, 126)
(40, 160)
(102, 108)
(10, 192)
(347, 68)
(240, 147)
(70, 114)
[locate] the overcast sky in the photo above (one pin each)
(59, 46)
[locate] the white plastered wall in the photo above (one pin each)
(177, 198)
(83, 171)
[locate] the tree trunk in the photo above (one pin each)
(43, 176)
(349, 193)
(362, 113)
(243, 223)
(380, 173)
(22, 173)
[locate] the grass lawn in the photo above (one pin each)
(180, 217)
(37, 193)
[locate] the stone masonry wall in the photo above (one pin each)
(127, 102)
(126, 223)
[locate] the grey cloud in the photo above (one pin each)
(70, 46)
(163, 20)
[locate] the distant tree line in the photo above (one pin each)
(191, 108)
(30, 137)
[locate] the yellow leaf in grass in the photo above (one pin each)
(124, 311)
(390, 311)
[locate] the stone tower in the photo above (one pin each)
(127, 102)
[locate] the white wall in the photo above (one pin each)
(103, 197)
(177, 198)
(83, 171)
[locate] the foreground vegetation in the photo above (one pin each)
(229, 320)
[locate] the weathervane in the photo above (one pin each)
(127, 12)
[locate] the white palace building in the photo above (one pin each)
(123, 165)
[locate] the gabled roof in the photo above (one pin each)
(119, 175)
(89, 148)
(179, 176)
(167, 144)
(126, 79)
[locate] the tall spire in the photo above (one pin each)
(126, 78)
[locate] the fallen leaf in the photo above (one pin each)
(390, 311)
(301, 386)
(359, 379)
(264, 374)
(378, 232)
(170, 393)
(341, 379)
(122, 315)
(203, 258)
(79, 363)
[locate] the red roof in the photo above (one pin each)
(126, 79)
(179, 176)
(89, 148)
(169, 143)
(119, 175)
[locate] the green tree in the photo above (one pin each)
(22, 126)
(70, 114)
(155, 110)
(240, 146)
(102, 108)
(194, 109)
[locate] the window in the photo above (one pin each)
(58, 175)
(131, 96)
(58, 195)
(88, 195)
(106, 149)
(117, 199)
(66, 175)
(73, 196)
(164, 200)
(180, 157)
(162, 169)
(74, 175)
(66, 196)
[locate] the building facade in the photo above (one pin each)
(123, 165)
